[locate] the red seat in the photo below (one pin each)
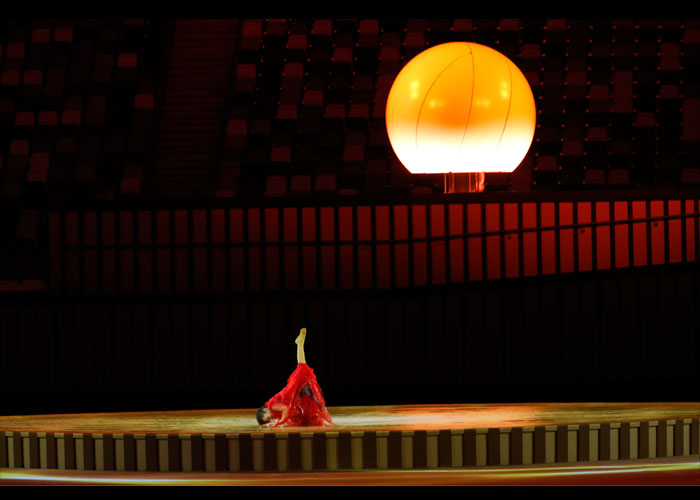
(276, 186)
(325, 183)
(128, 60)
(71, 117)
(462, 26)
(41, 36)
(300, 185)
(38, 167)
(297, 42)
(15, 50)
(144, 102)
(48, 119)
(670, 57)
(63, 35)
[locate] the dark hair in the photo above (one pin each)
(261, 415)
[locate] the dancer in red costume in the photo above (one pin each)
(301, 402)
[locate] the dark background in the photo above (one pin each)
(82, 330)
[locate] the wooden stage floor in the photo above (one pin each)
(359, 418)
(450, 439)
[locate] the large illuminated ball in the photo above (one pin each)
(460, 107)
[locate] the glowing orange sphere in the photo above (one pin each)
(460, 107)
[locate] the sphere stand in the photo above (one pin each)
(465, 182)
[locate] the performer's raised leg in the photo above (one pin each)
(301, 357)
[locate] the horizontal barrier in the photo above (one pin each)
(360, 450)
(360, 247)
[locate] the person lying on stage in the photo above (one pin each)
(301, 402)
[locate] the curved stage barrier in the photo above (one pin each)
(364, 438)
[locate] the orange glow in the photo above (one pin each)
(460, 107)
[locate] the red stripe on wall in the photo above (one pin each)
(585, 237)
(126, 272)
(182, 255)
(456, 213)
(199, 226)
(145, 255)
(291, 252)
(309, 257)
(126, 228)
(218, 252)
(201, 255)
(622, 247)
(272, 252)
(474, 249)
(675, 241)
(237, 256)
(382, 229)
(603, 255)
(109, 270)
(566, 238)
(658, 243)
(181, 227)
(529, 239)
(493, 243)
(163, 254)
(308, 224)
(549, 250)
(90, 271)
(420, 248)
(437, 247)
(254, 251)
(145, 229)
(401, 249)
(690, 236)
(126, 255)
(55, 250)
(327, 251)
(89, 228)
(364, 251)
(639, 234)
(512, 243)
(345, 233)
(108, 229)
(218, 223)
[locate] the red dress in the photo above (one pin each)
(303, 397)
